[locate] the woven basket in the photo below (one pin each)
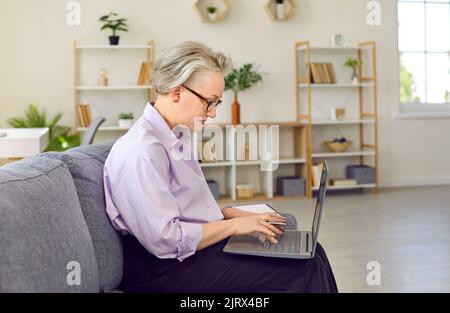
(338, 146)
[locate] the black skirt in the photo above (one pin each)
(213, 271)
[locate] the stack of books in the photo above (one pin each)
(144, 74)
(322, 73)
(343, 182)
(84, 114)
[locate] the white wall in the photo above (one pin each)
(36, 56)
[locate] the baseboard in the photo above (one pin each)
(413, 182)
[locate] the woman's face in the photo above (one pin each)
(189, 107)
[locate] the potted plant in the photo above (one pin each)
(60, 137)
(280, 9)
(125, 120)
(116, 24)
(239, 80)
(353, 64)
(212, 13)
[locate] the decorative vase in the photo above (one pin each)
(125, 123)
(280, 11)
(114, 40)
(355, 78)
(235, 112)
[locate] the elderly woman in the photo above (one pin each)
(174, 231)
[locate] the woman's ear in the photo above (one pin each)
(175, 94)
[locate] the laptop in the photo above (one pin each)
(295, 244)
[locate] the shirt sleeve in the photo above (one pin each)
(150, 210)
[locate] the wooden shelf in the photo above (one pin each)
(110, 47)
(104, 128)
(333, 49)
(253, 162)
(78, 86)
(349, 85)
(369, 186)
(216, 164)
(343, 154)
(365, 52)
(200, 8)
(343, 122)
(285, 124)
(143, 87)
(270, 6)
(291, 161)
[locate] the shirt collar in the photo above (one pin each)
(168, 138)
(164, 133)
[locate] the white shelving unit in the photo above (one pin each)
(232, 169)
(100, 51)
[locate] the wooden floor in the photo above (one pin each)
(406, 230)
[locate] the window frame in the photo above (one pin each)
(420, 109)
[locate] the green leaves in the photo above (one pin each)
(59, 136)
(242, 78)
(113, 22)
(351, 62)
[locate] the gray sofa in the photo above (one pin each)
(55, 235)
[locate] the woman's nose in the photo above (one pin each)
(211, 113)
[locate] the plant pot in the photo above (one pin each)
(114, 40)
(235, 112)
(355, 78)
(125, 123)
(212, 17)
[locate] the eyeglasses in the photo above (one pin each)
(211, 104)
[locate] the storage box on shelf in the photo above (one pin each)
(312, 97)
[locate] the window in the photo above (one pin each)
(424, 50)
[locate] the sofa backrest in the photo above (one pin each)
(45, 244)
(85, 164)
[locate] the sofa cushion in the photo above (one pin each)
(86, 166)
(44, 239)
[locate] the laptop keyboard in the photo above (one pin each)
(289, 242)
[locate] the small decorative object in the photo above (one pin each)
(103, 77)
(353, 64)
(280, 9)
(208, 151)
(337, 114)
(338, 40)
(212, 13)
(125, 120)
(338, 144)
(116, 24)
(244, 191)
(239, 80)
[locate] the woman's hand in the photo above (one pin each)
(258, 223)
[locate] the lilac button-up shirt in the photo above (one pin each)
(153, 193)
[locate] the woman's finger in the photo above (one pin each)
(272, 228)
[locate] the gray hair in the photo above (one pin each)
(174, 66)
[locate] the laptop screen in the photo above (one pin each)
(319, 203)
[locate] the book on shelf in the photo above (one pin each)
(84, 114)
(143, 74)
(322, 73)
(343, 182)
